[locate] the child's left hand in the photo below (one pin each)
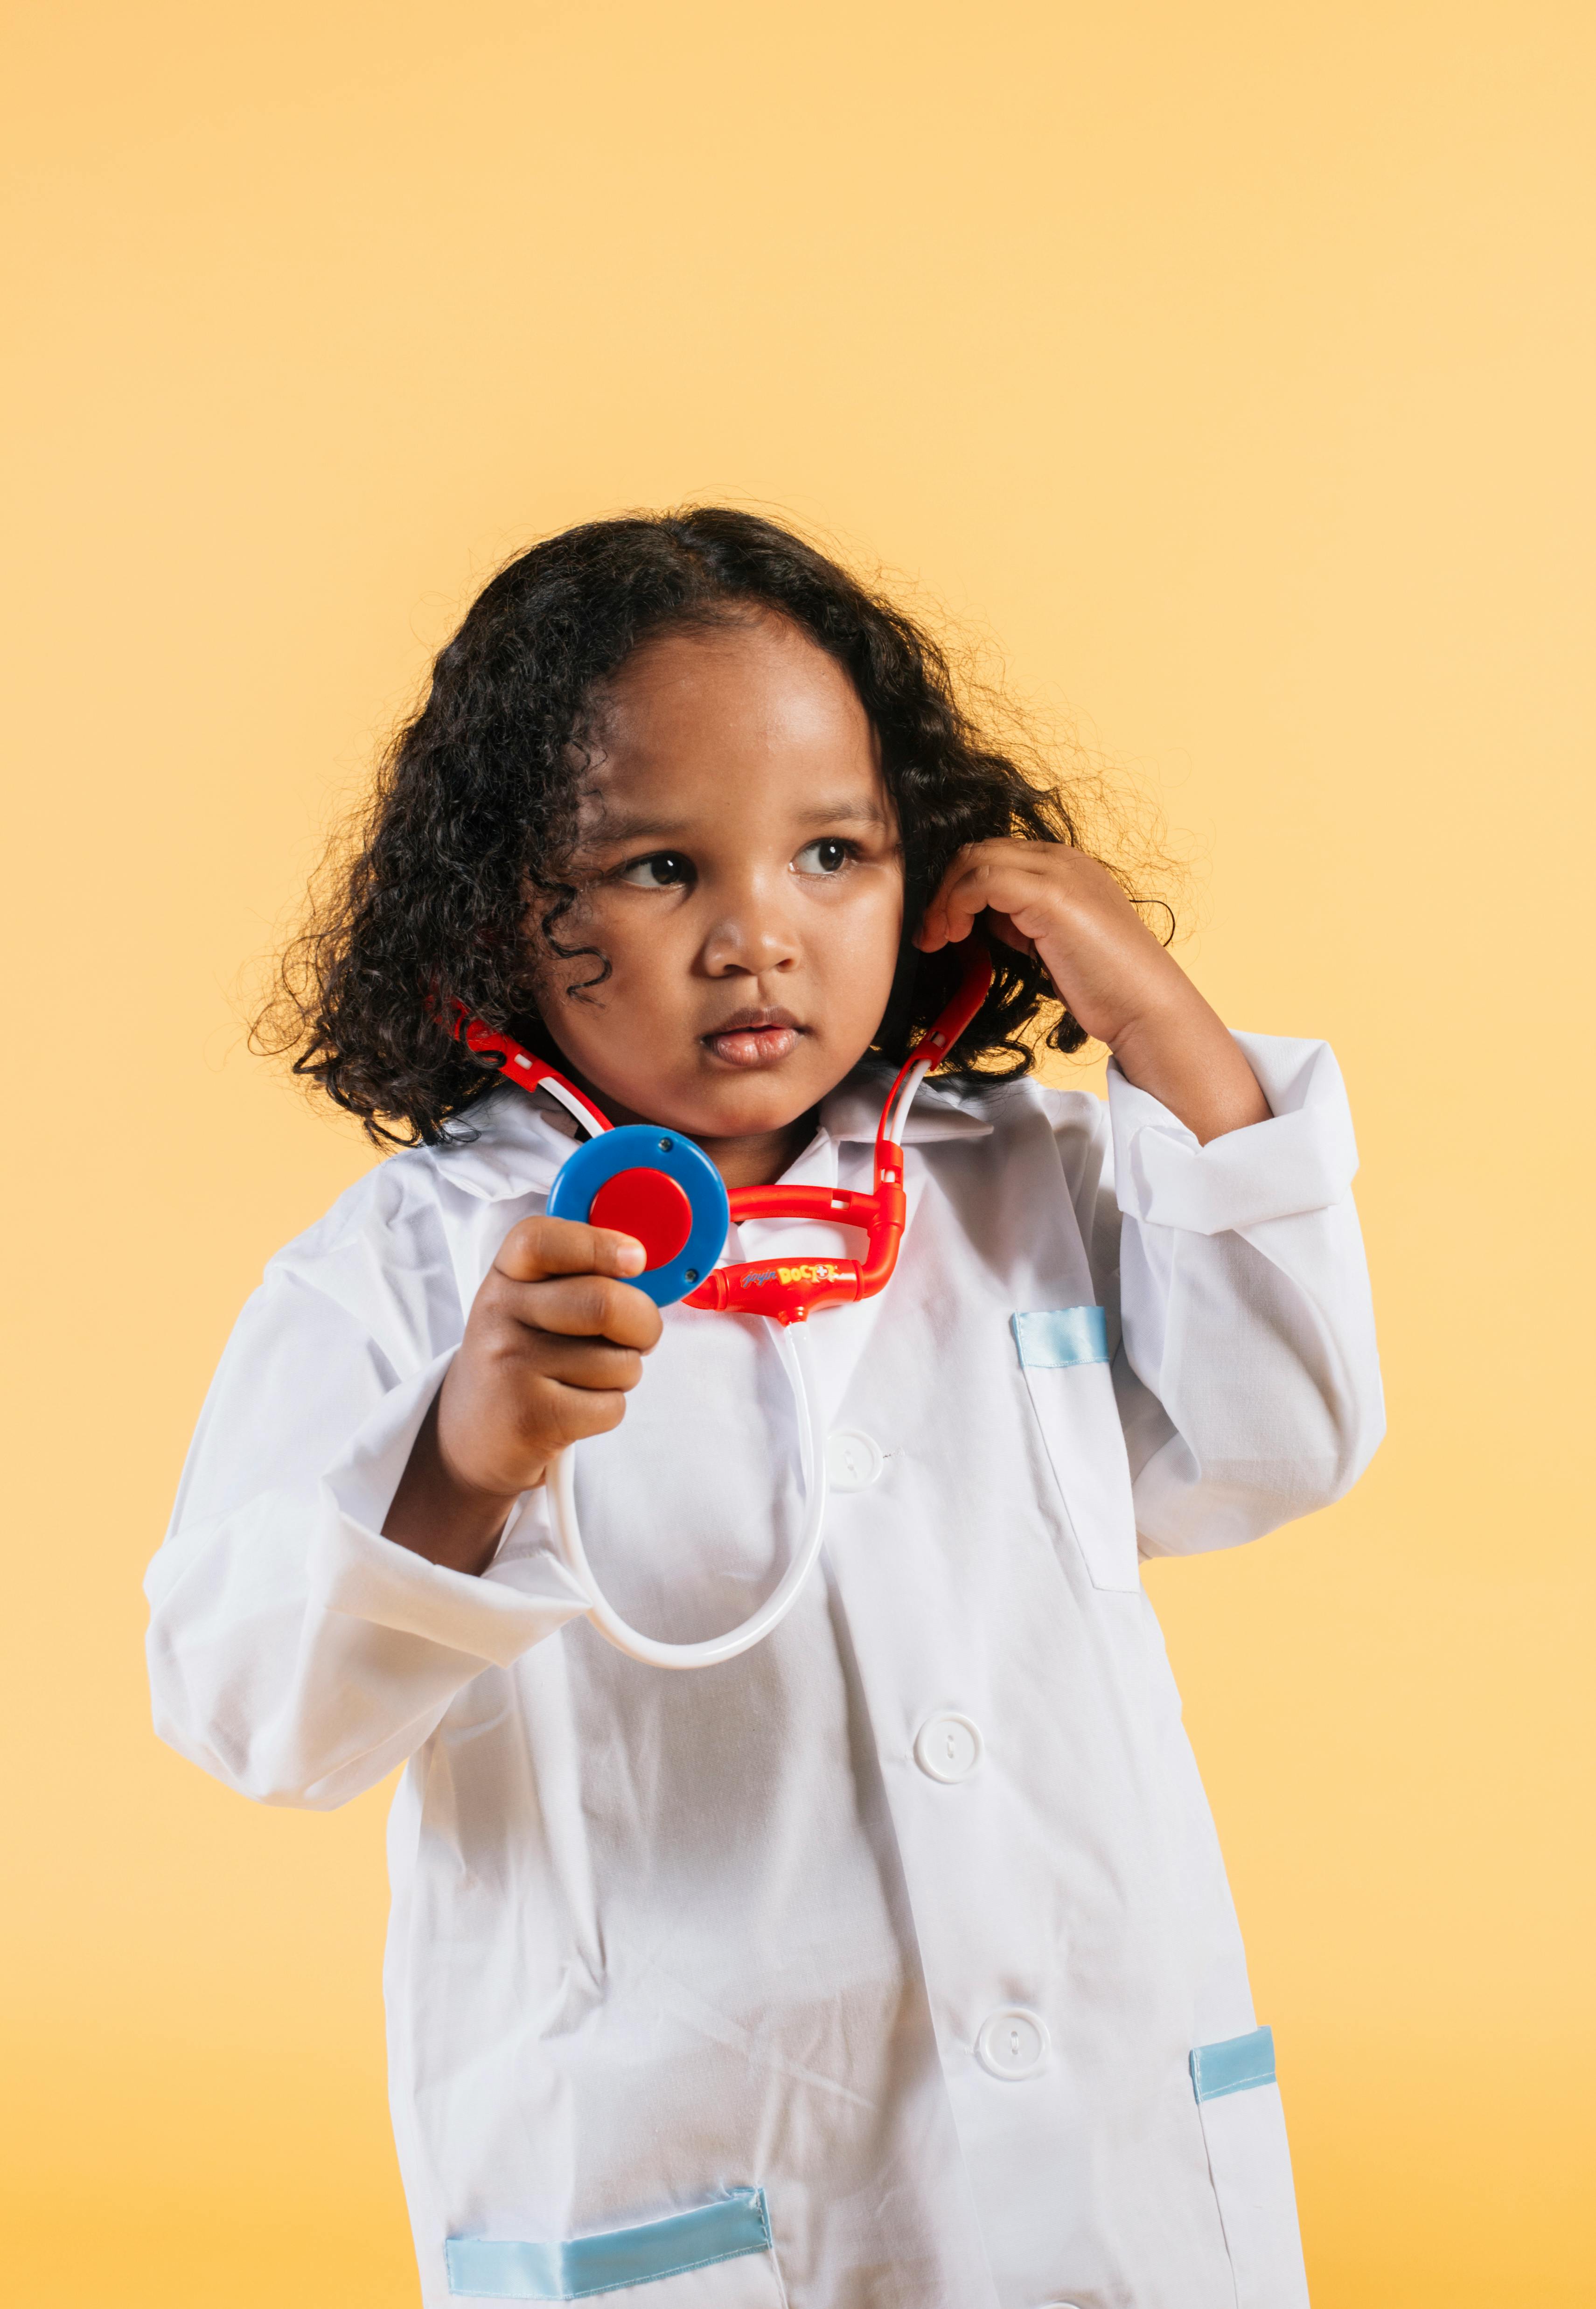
(1108, 968)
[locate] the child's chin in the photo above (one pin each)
(745, 1104)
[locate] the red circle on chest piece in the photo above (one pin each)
(649, 1205)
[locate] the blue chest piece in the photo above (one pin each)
(655, 1185)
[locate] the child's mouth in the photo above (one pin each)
(759, 1042)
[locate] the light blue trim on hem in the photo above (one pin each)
(1234, 2066)
(494, 2268)
(1060, 1336)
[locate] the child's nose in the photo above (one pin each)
(755, 937)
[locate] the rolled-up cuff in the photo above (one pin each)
(1304, 1158)
(521, 1598)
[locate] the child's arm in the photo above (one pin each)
(294, 1651)
(1248, 1378)
(554, 1341)
(1106, 965)
(1224, 1227)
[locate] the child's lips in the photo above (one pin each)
(753, 1046)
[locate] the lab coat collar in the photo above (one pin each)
(516, 1146)
(853, 1111)
(520, 1142)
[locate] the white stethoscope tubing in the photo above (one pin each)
(588, 1116)
(561, 1479)
(893, 1123)
(561, 1495)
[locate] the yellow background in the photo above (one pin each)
(1232, 366)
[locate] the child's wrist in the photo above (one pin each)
(1181, 1052)
(438, 1511)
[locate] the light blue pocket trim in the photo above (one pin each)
(1235, 2066)
(1060, 1336)
(494, 2269)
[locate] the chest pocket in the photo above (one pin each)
(1063, 1352)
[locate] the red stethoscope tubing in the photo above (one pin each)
(792, 1290)
(785, 1291)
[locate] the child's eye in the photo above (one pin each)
(827, 856)
(661, 870)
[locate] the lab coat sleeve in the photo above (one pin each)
(1247, 1374)
(293, 1651)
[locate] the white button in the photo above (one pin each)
(1012, 2044)
(948, 1748)
(853, 1462)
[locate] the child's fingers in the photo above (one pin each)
(596, 1365)
(570, 1415)
(585, 1307)
(544, 1246)
(997, 876)
(1001, 926)
(945, 921)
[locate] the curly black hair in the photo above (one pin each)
(476, 808)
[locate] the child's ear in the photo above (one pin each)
(527, 1024)
(892, 1036)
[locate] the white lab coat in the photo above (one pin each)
(909, 1918)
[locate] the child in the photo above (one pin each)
(889, 1965)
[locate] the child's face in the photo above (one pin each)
(739, 865)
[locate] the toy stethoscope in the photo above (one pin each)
(651, 1182)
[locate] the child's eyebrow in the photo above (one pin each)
(626, 826)
(857, 809)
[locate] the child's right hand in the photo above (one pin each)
(553, 1345)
